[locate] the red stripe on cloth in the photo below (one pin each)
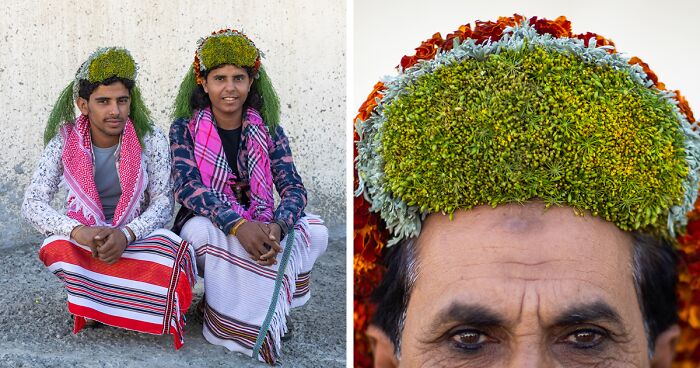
(108, 319)
(172, 289)
(126, 268)
(114, 291)
(171, 308)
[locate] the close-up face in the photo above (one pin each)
(227, 87)
(521, 286)
(108, 109)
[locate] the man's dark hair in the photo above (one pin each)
(654, 268)
(86, 88)
(200, 99)
(655, 272)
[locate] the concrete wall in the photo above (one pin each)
(44, 42)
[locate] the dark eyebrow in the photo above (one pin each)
(595, 311)
(102, 98)
(469, 314)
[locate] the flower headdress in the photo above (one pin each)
(228, 46)
(102, 64)
(520, 109)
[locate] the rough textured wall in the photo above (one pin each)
(44, 42)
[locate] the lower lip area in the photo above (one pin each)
(114, 124)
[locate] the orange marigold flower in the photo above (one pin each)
(599, 40)
(652, 76)
(426, 51)
(560, 27)
(462, 33)
(370, 103)
(484, 31)
(684, 107)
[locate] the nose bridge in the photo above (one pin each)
(531, 355)
(530, 346)
(230, 83)
(113, 107)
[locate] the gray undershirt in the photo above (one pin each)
(107, 179)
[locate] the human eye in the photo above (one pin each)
(586, 338)
(219, 77)
(124, 100)
(239, 78)
(470, 340)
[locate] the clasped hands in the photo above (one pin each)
(261, 241)
(106, 243)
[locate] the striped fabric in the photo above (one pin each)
(214, 169)
(148, 290)
(83, 202)
(302, 285)
(239, 292)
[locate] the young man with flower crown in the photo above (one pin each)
(539, 188)
(229, 153)
(119, 266)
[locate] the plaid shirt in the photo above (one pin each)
(191, 193)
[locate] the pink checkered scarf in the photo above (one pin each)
(83, 202)
(214, 169)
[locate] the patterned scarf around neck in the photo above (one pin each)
(83, 202)
(214, 169)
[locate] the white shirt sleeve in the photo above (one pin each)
(36, 207)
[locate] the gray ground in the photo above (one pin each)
(36, 328)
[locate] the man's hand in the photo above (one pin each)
(273, 234)
(85, 235)
(254, 236)
(110, 244)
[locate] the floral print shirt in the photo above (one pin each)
(156, 206)
(193, 194)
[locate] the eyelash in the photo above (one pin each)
(600, 337)
(471, 347)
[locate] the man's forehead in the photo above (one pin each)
(113, 90)
(228, 69)
(499, 253)
(523, 230)
(523, 261)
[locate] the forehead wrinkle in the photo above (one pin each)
(517, 260)
(514, 277)
(554, 269)
(551, 246)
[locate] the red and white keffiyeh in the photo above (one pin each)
(83, 202)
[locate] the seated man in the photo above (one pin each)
(119, 267)
(230, 154)
(534, 181)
